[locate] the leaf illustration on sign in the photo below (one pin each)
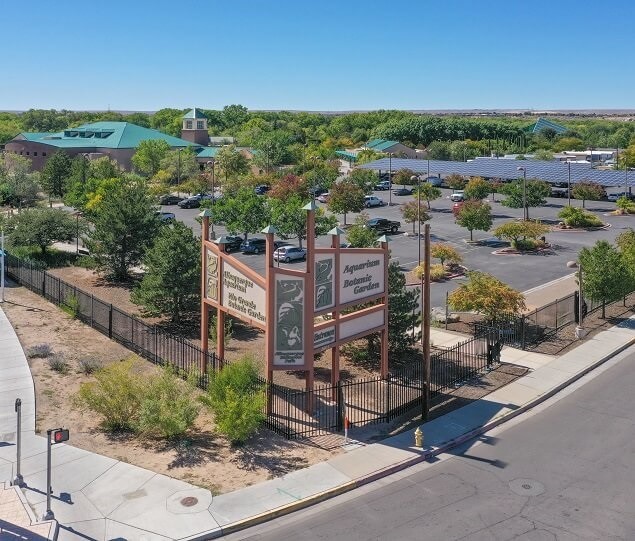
(289, 315)
(324, 283)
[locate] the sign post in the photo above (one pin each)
(53, 435)
(19, 480)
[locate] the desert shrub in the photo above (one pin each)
(229, 329)
(115, 395)
(437, 272)
(86, 262)
(57, 362)
(625, 205)
(71, 305)
(39, 350)
(237, 400)
(89, 365)
(577, 217)
(169, 406)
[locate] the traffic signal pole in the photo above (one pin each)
(19, 480)
(49, 512)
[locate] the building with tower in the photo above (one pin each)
(195, 127)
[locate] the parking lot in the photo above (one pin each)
(521, 272)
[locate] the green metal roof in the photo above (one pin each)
(544, 124)
(351, 156)
(381, 144)
(194, 113)
(208, 152)
(104, 135)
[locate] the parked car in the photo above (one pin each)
(324, 198)
(316, 191)
(457, 195)
(289, 253)
(559, 192)
(233, 243)
(383, 186)
(253, 246)
(166, 216)
(190, 203)
(435, 181)
(261, 189)
(373, 201)
(615, 196)
(402, 191)
(169, 199)
(383, 225)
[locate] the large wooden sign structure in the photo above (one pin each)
(300, 311)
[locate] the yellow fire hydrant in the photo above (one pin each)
(418, 437)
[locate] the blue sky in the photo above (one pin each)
(317, 55)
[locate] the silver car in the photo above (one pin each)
(289, 253)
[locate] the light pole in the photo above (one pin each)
(569, 184)
(390, 179)
(414, 178)
(178, 170)
(524, 170)
(579, 330)
(212, 162)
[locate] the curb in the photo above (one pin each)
(425, 455)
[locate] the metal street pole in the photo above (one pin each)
(412, 179)
(19, 480)
(569, 184)
(390, 179)
(49, 512)
(212, 162)
(426, 321)
(2, 266)
(524, 170)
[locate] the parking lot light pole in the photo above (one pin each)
(213, 196)
(390, 179)
(569, 184)
(414, 178)
(524, 170)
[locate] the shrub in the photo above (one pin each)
(89, 365)
(229, 329)
(86, 262)
(39, 350)
(71, 305)
(115, 395)
(169, 406)
(513, 232)
(577, 217)
(58, 363)
(237, 400)
(445, 252)
(625, 205)
(437, 272)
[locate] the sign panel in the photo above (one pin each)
(324, 282)
(323, 337)
(243, 295)
(211, 277)
(289, 321)
(362, 276)
(361, 324)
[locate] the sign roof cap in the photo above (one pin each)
(205, 214)
(270, 229)
(336, 231)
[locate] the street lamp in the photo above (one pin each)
(390, 179)
(579, 330)
(524, 170)
(178, 170)
(569, 184)
(212, 162)
(413, 179)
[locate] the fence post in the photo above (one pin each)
(522, 332)
(156, 346)
(556, 314)
(110, 322)
(340, 405)
(92, 309)
(44, 284)
(388, 377)
(288, 423)
(59, 292)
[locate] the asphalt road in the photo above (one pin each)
(566, 472)
(522, 273)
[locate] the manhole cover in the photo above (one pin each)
(526, 487)
(189, 501)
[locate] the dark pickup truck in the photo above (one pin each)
(383, 225)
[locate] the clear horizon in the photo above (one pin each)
(331, 56)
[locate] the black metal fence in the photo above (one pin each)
(290, 412)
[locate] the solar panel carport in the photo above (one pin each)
(552, 172)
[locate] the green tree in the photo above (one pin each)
(171, 283)
(513, 231)
(455, 181)
(180, 164)
(272, 150)
(439, 150)
(243, 212)
(445, 252)
(42, 227)
(367, 155)
(588, 191)
(124, 226)
(543, 154)
(360, 236)
(18, 186)
(577, 217)
(289, 218)
(428, 192)
(537, 192)
(626, 243)
(54, 177)
(403, 303)
(487, 295)
(149, 155)
(625, 205)
(603, 273)
(345, 197)
(403, 177)
(477, 188)
(366, 179)
(413, 213)
(237, 399)
(288, 186)
(232, 162)
(475, 215)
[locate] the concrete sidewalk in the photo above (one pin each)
(100, 498)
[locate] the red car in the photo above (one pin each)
(456, 208)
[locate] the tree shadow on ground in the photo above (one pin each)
(192, 449)
(263, 451)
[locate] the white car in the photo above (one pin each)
(289, 253)
(615, 196)
(457, 195)
(373, 201)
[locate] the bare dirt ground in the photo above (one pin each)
(202, 458)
